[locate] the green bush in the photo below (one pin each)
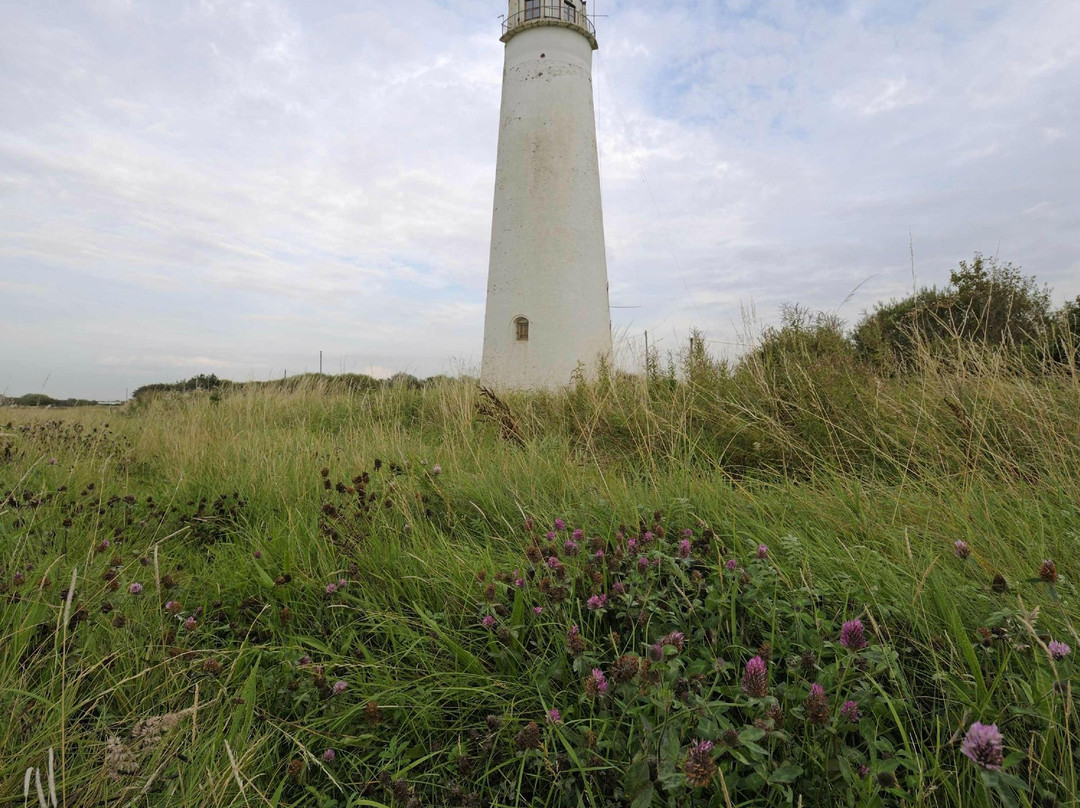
(986, 302)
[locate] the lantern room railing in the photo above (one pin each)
(549, 10)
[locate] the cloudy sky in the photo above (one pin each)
(231, 186)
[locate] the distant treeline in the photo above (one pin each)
(42, 400)
(345, 382)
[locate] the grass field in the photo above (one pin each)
(305, 596)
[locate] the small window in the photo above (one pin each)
(532, 9)
(570, 11)
(521, 329)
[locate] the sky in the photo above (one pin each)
(233, 186)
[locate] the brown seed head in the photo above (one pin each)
(1048, 571)
(700, 767)
(625, 668)
(529, 737)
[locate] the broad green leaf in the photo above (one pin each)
(669, 753)
(637, 778)
(788, 773)
(244, 712)
(644, 797)
(751, 734)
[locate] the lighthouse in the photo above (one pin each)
(547, 310)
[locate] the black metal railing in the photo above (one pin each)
(549, 10)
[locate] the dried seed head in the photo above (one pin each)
(817, 705)
(624, 668)
(119, 760)
(529, 737)
(699, 767)
(1048, 571)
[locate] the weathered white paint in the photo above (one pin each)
(547, 237)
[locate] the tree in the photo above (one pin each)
(986, 302)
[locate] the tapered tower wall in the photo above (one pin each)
(548, 264)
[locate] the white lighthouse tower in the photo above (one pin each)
(547, 296)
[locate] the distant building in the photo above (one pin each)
(547, 295)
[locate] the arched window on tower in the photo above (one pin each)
(521, 329)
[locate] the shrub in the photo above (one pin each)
(1065, 341)
(986, 302)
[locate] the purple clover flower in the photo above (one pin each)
(647, 536)
(1058, 650)
(571, 547)
(643, 563)
(962, 549)
(619, 587)
(762, 552)
(338, 688)
(732, 565)
(676, 639)
(684, 548)
(579, 534)
(687, 533)
(596, 602)
(135, 588)
(600, 681)
(191, 624)
(756, 678)
(550, 535)
(554, 716)
(852, 635)
(329, 755)
(560, 524)
(538, 609)
(984, 746)
(488, 621)
(850, 712)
